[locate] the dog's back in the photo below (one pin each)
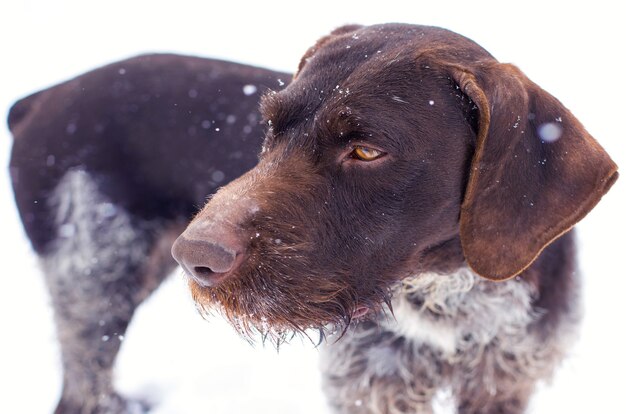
(165, 130)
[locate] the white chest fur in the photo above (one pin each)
(455, 311)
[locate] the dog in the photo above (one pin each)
(107, 170)
(413, 202)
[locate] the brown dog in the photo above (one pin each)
(404, 165)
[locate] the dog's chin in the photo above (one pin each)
(270, 313)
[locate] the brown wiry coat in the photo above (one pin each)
(461, 220)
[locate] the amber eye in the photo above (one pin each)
(366, 153)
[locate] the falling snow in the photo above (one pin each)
(249, 90)
(71, 128)
(550, 131)
(218, 176)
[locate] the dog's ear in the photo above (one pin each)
(322, 41)
(535, 172)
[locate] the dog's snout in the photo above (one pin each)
(209, 256)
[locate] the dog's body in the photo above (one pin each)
(401, 163)
(107, 169)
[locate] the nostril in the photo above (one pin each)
(206, 276)
(203, 271)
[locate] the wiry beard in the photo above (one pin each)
(277, 295)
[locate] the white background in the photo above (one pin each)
(574, 50)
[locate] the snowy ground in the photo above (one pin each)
(187, 365)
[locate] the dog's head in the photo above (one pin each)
(396, 149)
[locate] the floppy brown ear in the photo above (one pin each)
(534, 174)
(321, 42)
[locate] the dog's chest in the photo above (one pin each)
(458, 311)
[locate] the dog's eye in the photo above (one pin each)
(366, 153)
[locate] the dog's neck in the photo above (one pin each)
(447, 310)
(443, 258)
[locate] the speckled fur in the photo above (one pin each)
(95, 273)
(455, 332)
(107, 168)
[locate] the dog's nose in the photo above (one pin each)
(209, 254)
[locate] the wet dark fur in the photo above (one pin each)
(349, 229)
(153, 128)
(332, 215)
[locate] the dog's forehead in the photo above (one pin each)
(353, 73)
(328, 75)
(379, 44)
(370, 51)
(337, 59)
